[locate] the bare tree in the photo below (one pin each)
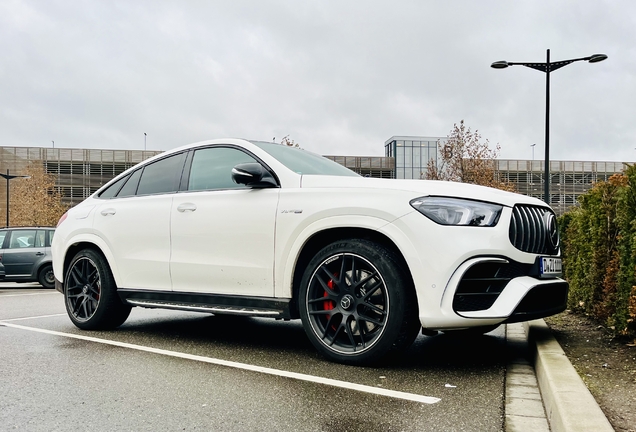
(34, 200)
(465, 158)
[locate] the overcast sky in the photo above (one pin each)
(340, 77)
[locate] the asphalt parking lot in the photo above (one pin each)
(165, 370)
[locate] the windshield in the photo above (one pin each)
(302, 161)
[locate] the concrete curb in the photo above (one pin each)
(569, 405)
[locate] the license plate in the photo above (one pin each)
(551, 267)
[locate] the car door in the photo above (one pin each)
(22, 252)
(222, 233)
(135, 224)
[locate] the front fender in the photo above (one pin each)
(287, 258)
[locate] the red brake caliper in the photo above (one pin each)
(329, 304)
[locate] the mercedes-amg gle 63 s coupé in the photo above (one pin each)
(262, 229)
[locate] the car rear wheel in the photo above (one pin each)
(46, 278)
(90, 293)
(356, 303)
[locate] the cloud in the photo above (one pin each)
(340, 77)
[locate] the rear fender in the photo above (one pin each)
(91, 240)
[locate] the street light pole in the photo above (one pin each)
(8, 177)
(548, 67)
(533, 145)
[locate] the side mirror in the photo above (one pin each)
(253, 175)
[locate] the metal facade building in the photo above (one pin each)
(80, 172)
(411, 154)
(568, 179)
(368, 166)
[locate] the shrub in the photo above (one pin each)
(599, 252)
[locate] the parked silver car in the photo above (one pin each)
(25, 255)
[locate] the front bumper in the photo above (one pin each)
(444, 260)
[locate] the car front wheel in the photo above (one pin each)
(356, 302)
(90, 293)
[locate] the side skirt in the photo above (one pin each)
(208, 303)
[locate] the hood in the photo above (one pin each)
(422, 188)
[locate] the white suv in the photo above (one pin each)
(261, 229)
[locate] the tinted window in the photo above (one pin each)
(112, 190)
(3, 234)
(130, 188)
(40, 238)
(212, 168)
(161, 176)
(21, 239)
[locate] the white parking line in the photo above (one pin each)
(34, 317)
(30, 294)
(276, 372)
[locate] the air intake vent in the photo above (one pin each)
(534, 229)
(482, 284)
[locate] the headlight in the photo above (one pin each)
(455, 211)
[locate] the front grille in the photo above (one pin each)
(534, 230)
(482, 284)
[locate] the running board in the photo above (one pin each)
(207, 308)
(208, 303)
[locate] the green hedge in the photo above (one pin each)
(599, 252)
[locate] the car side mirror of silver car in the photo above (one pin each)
(253, 175)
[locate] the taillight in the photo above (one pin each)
(61, 219)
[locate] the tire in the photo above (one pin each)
(90, 293)
(357, 304)
(46, 278)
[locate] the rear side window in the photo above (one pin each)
(112, 190)
(130, 188)
(162, 176)
(21, 239)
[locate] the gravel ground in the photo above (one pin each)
(606, 365)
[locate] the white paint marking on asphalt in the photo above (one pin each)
(30, 294)
(34, 317)
(265, 370)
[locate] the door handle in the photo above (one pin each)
(190, 207)
(39, 253)
(108, 212)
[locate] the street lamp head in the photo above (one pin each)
(595, 58)
(500, 64)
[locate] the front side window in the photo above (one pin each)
(3, 234)
(212, 168)
(161, 176)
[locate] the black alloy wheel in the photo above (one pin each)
(356, 303)
(91, 294)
